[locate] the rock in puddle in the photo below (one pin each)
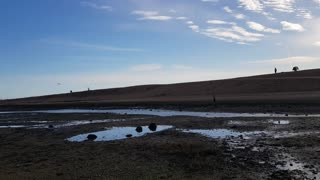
(153, 127)
(139, 129)
(91, 137)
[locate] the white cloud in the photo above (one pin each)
(317, 43)
(252, 5)
(227, 9)
(181, 18)
(219, 22)
(96, 6)
(261, 28)
(146, 67)
(189, 22)
(281, 5)
(234, 34)
(289, 61)
(195, 28)
(287, 26)
(239, 16)
(305, 13)
(151, 15)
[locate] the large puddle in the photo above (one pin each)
(118, 133)
(165, 113)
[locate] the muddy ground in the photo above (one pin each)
(280, 151)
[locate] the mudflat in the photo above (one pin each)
(35, 146)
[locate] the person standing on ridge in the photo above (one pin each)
(275, 70)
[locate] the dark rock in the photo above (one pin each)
(50, 126)
(139, 129)
(153, 127)
(91, 137)
(286, 114)
(241, 136)
(129, 135)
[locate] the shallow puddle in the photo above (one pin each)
(222, 133)
(12, 126)
(118, 133)
(279, 122)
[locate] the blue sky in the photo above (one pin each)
(53, 46)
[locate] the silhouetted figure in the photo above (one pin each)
(275, 70)
(70, 92)
(295, 69)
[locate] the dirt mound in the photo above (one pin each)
(299, 87)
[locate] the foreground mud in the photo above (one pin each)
(283, 148)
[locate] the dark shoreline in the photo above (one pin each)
(225, 107)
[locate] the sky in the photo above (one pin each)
(54, 46)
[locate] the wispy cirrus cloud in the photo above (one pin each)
(305, 13)
(151, 15)
(281, 5)
(96, 6)
(259, 27)
(236, 15)
(181, 18)
(210, 0)
(233, 34)
(89, 46)
(235, 31)
(220, 22)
